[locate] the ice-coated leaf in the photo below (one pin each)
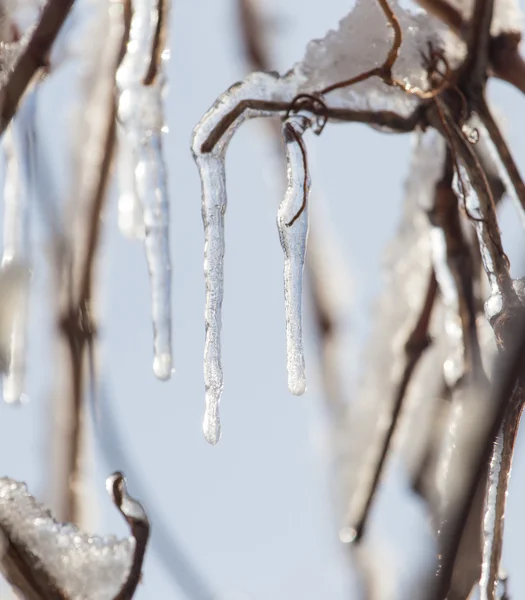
(361, 42)
(141, 114)
(80, 565)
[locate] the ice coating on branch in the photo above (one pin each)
(508, 16)
(17, 19)
(406, 276)
(494, 304)
(210, 163)
(361, 42)
(489, 517)
(141, 114)
(213, 179)
(292, 222)
(15, 258)
(83, 566)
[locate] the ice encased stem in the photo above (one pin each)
(210, 162)
(213, 209)
(292, 222)
(19, 154)
(141, 114)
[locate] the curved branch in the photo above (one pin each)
(138, 522)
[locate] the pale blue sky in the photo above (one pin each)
(254, 513)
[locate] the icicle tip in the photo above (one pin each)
(163, 367)
(211, 427)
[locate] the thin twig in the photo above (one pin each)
(384, 71)
(33, 59)
(504, 153)
(383, 118)
(417, 342)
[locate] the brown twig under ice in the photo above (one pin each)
(416, 344)
(76, 321)
(33, 59)
(470, 465)
(138, 522)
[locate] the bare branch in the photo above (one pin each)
(502, 149)
(475, 66)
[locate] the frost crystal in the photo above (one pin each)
(292, 222)
(83, 566)
(141, 113)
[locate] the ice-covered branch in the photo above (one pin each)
(16, 247)
(33, 58)
(474, 186)
(455, 273)
(141, 82)
(138, 522)
(401, 335)
(46, 559)
(478, 420)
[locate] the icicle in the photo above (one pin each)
(130, 217)
(292, 222)
(141, 82)
(210, 162)
(213, 208)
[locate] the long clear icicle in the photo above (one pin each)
(141, 114)
(292, 222)
(210, 163)
(213, 210)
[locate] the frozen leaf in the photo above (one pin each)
(80, 565)
(362, 42)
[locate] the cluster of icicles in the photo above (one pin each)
(292, 222)
(144, 203)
